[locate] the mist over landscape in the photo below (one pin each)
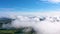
(42, 24)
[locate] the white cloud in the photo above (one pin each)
(51, 1)
(44, 27)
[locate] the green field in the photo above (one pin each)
(7, 31)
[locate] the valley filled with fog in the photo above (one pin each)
(41, 24)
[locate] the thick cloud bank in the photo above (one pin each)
(42, 24)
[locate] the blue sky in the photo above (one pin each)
(29, 5)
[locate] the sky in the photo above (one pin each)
(29, 5)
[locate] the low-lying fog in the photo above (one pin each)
(43, 24)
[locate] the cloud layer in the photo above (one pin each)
(41, 27)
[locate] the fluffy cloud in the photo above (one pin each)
(44, 27)
(51, 1)
(41, 27)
